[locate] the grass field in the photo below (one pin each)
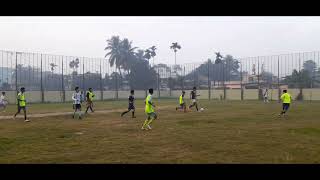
(226, 132)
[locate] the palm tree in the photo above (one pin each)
(74, 65)
(175, 46)
(153, 52)
(114, 48)
(120, 53)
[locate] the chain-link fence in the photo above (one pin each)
(52, 78)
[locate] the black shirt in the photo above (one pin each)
(131, 99)
(193, 95)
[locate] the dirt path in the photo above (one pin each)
(41, 115)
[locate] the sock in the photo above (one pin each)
(132, 113)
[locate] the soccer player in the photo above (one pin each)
(149, 110)
(90, 97)
(286, 100)
(265, 96)
(3, 101)
(21, 99)
(131, 104)
(181, 102)
(193, 97)
(77, 100)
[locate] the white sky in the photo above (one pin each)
(199, 37)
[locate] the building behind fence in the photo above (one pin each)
(52, 78)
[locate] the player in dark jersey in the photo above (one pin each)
(131, 104)
(193, 97)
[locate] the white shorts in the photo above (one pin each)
(194, 100)
(3, 104)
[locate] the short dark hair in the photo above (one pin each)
(22, 88)
(150, 90)
(132, 91)
(76, 88)
(90, 88)
(285, 91)
(3, 92)
(194, 87)
(183, 92)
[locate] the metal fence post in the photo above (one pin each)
(158, 83)
(41, 81)
(101, 88)
(62, 83)
(169, 81)
(16, 73)
(209, 84)
(83, 88)
(241, 79)
(279, 90)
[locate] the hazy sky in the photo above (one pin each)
(199, 37)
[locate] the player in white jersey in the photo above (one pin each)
(3, 101)
(77, 100)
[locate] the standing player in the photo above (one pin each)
(21, 99)
(77, 100)
(193, 97)
(131, 104)
(3, 101)
(286, 100)
(265, 96)
(90, 97)
(151, 115)
(181, 102)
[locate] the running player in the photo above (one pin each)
(193, 97)
(90, 97)
(131, 104)
(265, 96)
(77, 100)
(3, 101)
(21, 99)
(181, 102)
(149, 110)
(286, 100)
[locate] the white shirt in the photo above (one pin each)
(76, 97)
(266, 94)
(2, 98)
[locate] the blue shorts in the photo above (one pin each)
(285, 106)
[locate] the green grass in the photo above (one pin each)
(226, 132)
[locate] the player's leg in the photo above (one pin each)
(184, 107)
(91, 107)
(133, 111)
(125, 112)
(196, 104)
(25, 114)
(79, 108)
(75, 110)
(153, 117)
(19, 109)
(145, 122)
(88, 106)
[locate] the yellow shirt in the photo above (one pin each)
(286, 98)
(91, 95)
(21, 99)
(181, 99)
(149, 108)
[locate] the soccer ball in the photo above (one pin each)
(201, 109)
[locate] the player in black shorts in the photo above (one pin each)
(193, 96)
(131, 104)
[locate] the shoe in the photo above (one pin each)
(149, 127)
(26, 120)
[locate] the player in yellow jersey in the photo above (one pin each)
(181, 102)
(286, 100)
(149, 110)
(21, 99)
(90, 97)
